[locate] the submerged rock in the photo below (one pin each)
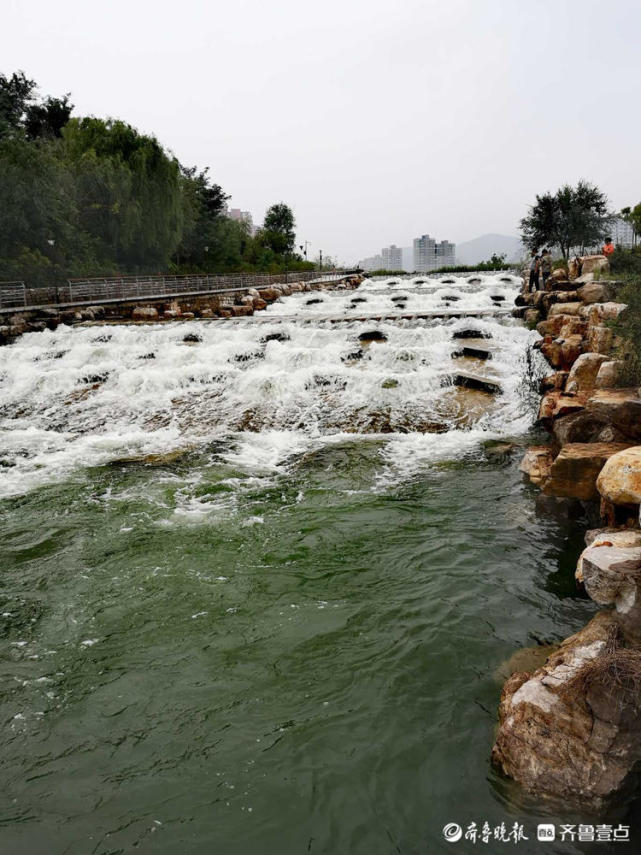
(537, 462)
(192, 338)
(372, 335)
(474, 381)
(471, 333)
(276, 336)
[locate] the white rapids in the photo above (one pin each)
(85, 396)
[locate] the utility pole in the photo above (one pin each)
(320, 259)
(303, 248)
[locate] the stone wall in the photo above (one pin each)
(571, 730)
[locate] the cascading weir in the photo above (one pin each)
(85, 395)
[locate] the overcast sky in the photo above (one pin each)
(377, 121)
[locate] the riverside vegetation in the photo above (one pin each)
(85, 196)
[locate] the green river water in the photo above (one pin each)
(314, 672)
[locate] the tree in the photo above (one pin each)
(571, 217)
(278, 229)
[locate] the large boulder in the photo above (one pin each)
(595, 292)
(609, 374)
(569, 308)
(593, 264)
(144, 313)
(584, 426)
(619, 407)
(570, 730)
(584, 372)
(604, 538)
(576, 468)
(620, 479)
(599, 312)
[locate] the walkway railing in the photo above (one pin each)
(132, 287)
(12, 294)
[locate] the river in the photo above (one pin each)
(259, 577)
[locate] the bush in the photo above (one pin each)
(626, 260)
(628, 328)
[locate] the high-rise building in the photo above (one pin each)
(392, 257)
(622, 233)
(430, 254)
(375, 262)
(241, 217)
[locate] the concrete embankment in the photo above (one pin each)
(233, 303)
(571, 729)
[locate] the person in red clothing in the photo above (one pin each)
(608, 247)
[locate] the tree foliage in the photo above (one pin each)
(90, 196)
(571, 218)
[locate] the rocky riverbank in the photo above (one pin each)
(239, 303)
(571, 729)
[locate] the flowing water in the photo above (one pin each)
(257, 576)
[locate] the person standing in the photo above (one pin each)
(608, 247)
(534, 271)
(545, 266)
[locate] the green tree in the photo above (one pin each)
(278, 229)
(573, 217)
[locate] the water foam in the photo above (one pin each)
(271, 390)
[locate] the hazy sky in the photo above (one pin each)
(377, 121)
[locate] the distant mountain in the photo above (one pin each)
(482, 248)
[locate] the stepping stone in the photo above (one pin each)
(474, 381)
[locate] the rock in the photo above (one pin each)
(207, 313)
(600, 339)
(188, 316)
(557, 275)
(566, 308)
(599, 312)
(619, 407)
(259, 304)
(555, 404)
(97, 311)
(571, 349)
(224, 313)
(474, 381)
(570, 731)
(276, 336)
(593, 264)
(576, 468)
(471, 333)
(608, 375)
(536, 463)
(620, 479)
(247, 300)
(314, 301)
(269, 294)
(170, 314)
(594, 292)
(574, 268)
(144, 313)
(242, 311)
(252, 292)
(604, 538)
(532, 316)
(554, 381)
(569, 324)
(612, 575)
(584, 279)
(192, 338)
(372, 335)
(584, 426)
(584, 371)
